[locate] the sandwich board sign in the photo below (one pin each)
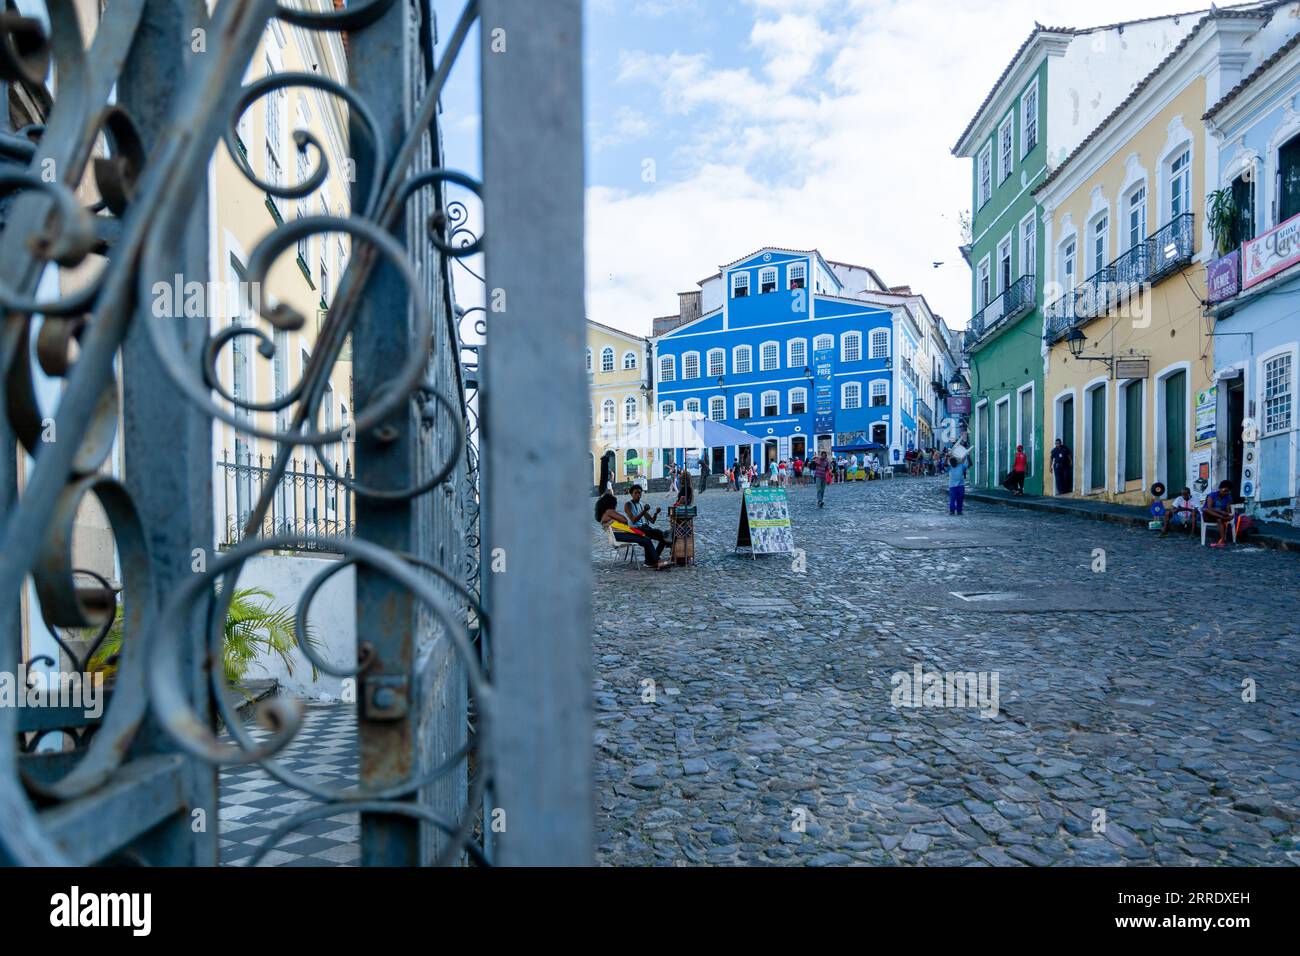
(765, 522)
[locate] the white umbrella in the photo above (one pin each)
(685, 430)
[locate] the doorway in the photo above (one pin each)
(771, 452)
(798, 447)
(880, 433)
(1175, 388)
(1066, 434)
(718, 461)
(1236, 412)
(1097, 439)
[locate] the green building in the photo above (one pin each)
(1057, 89)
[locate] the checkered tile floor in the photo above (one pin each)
(253, 803)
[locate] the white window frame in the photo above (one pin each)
(846, 338)
(823, 342)
(797, 396)
(844, 396)
(873, 391)
(629, 354)
(608, 412)
(721, 356)
(1029, 245)
(748, 365)
(762, 356)
(718, 402)
(630, 402)
(1184, 177)
(691, 405)
(764, 274)
(789, 354)
(790, 275)
(1003, 283)
(1006, 147)
(607, 352)
(667, 368)
(748, 405)
(739, 278)
(983, 283)
(686, 360)
(983, 184)
(1029, 118)
(1145, 231)
(666, 408)
(1121, 431)
(879, 337)
(1285, 351)
(1069, 262)
(776, 403)
(1096, 264)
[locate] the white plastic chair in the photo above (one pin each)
(1232, 525)
(616, 544)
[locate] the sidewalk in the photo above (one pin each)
(1267, 534)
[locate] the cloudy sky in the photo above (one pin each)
(715, 127)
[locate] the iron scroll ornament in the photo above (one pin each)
(139, 191)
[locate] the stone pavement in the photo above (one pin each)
(1121, 735)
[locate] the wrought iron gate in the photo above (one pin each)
(474, 737)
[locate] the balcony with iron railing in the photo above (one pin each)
(1155, 258)
(1015, 301)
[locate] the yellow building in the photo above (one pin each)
(304, 277)
(1125, 345)
(1128, 355)
(618, 375)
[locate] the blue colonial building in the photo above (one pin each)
(1251, 290)
(801, 352)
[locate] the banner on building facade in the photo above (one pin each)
(958, 404)
(824, 391)
(1266, 256)
(765, 522)
(1206, 408)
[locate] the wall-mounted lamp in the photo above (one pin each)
(1075, 339)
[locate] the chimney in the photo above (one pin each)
(664, 323)
(901, 289)
(688, 306)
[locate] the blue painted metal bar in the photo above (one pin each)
(536, 391)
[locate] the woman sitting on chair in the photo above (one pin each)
(607, 514)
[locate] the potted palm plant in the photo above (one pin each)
(253, 626)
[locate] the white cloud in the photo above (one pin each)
(837, 135)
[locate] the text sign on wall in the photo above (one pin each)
(1277, 249)
(958, 404)
(1223, 277)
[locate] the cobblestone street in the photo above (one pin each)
(1121, 734)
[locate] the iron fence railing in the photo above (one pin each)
(1160, 255)
(308, 506)
(1015, 300)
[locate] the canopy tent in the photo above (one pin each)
(860, 448)
(685, 430)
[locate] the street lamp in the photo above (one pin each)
(722, 383)
(1075, 339)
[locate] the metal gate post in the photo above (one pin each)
(534, 439)
(171, 481)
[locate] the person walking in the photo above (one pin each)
(704, 472)
(956, 485)
(821, 472)
(1062, 468)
